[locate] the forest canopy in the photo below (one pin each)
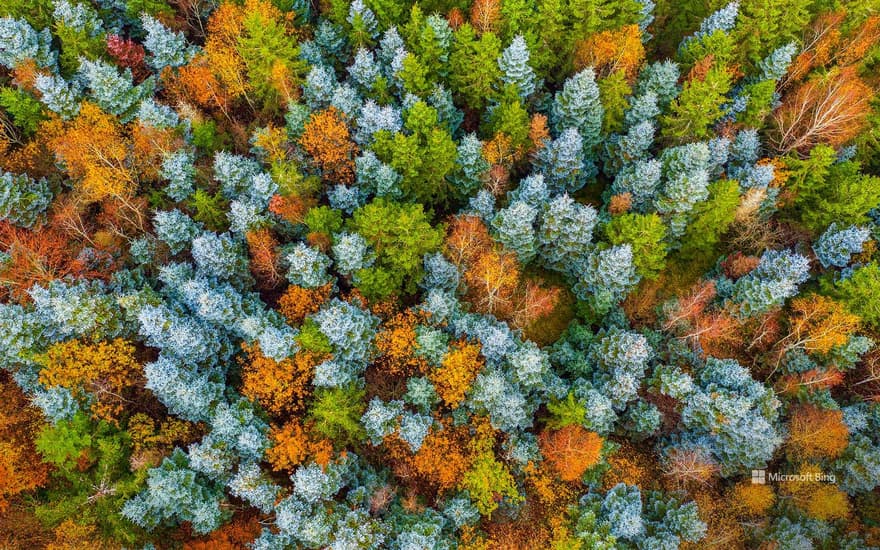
(477, 274)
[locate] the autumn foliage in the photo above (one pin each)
(127, 53)
(830, 108)
(292, 444)
(21, 469)
(611, 51)
(264, 257)
(328, 141)
(107, 370)
(281, 387)
(441, 461)
(751, 499)
(298, 302)
(570, 451)
(95, 152)
(396, 346)
(492, 280)
(474, 274)
(236, 534)
(816, 433)
(485, 15)
(36, 257)
(459, 368)
(818, 499)
(819, 324)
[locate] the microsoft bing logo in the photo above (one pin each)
(760, 477)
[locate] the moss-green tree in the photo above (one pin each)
(644, 233)
(400, 235)
(709, 221)
(827, 191)
(473, 66)
(423, 156)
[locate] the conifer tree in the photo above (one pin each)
(515, 69)
(23, 200)
(578, 106)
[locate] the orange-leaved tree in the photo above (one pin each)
(95, 152)
(299, 302)
(491, 283)
(396, 346)
(21, 468)
(441, 461)
(264, 263)
(107, 371)
(570, 451)
(830, 108)
(611, 51)
(466, 240)
(818, 324)
(34, 257)
(280, 387)
(238, 533)
(486, 15)
(816, 433)
(293, 444)
(327, 140)
(460, 366)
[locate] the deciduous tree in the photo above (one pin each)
(457, 372)
(95, 153)
(280, 387)
(104, 373)
(328, 142)
(829, 109)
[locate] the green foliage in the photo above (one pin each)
(677, 19)
(388, 12)
(717, 47)
(209, 209)
(63, 444)
(591, 16)
(709, 221)
(827, 191)
(400, 234)
(207, 138)
(860, 292)
(551, 55)
(763, 25)
(515, 18)
(134, 8)
(613, 91)
(488, 482)
(423, 158)
(291, 182)
(645, 233)
(415, 76)
(323, 219)
(93, 474)
(424, 42)
(263, 46)
(473, 66)
(77, 43)
(761, 97)
(310, 338)
(385, 305)
(36, 12)
(566, 412)
(25, 110)
(696, 109)
(511, 118)
(337, 412)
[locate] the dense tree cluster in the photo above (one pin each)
(479, 274)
